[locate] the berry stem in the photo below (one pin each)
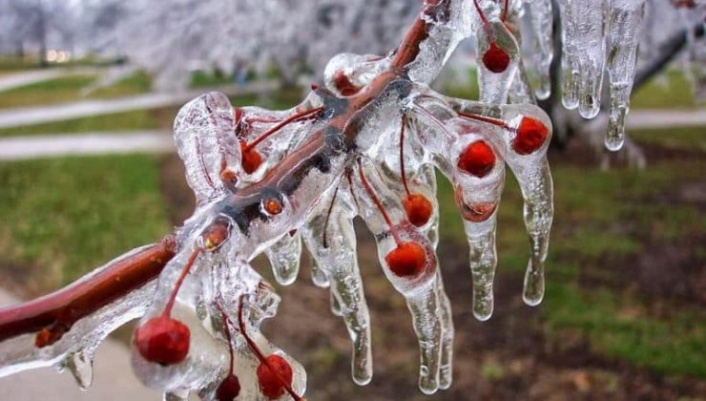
(328, 217)
(281, 125)
(378, 204)
(489, 120)
(226, 329)
(505, 10)
(484, 19)
(180, 280)
(258, 353)
(402, 173)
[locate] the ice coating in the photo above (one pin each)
(330, 238)
(494, 86)
(624, 26)
(584, 54)
(541, 22)
(285, 257)
(358, 146)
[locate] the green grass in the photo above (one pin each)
(53, 91)
(611, 216)
(69, 215)
(127, 121)
(669, 91)
(135, 84)
(617, 326)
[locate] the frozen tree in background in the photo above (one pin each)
(35, 24)
(365, 144)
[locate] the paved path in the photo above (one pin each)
(36, 115)
(30, 147)
(16, 80)
(113, 378)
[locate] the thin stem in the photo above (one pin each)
(328, 216)
(482, 16)
(281, 125)
(495, 121)
(226, 329)
(258, 353)
(378, 204)
(402, 173)
(505, 10)
(180, 280)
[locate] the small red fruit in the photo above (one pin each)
(163, 340)
(477, 159)
(418, 209)
(407, 260)
(531, 134)
(496, 59)
(271, 382)
(251, 158)
(344, 84)
(228, 389)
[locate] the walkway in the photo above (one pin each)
(19, 79)
(17, 117)
(30, 147)
(113, 378)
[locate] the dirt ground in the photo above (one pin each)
(505, 358)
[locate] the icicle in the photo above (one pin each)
(531, 168)
(584, 54)
(285, 257)
(541, 20)
(495, 76)
(477, 197)
(447, 334)
(424, 308)
(80, 364)
(319, 277)
(624, 25)
(331, 240)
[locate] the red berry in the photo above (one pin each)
(270, 382)
(344, 84)
(531, 135)
(407, 260)
(251, 158)
(163, 340)
(228, 389)
(477, 159)
(418, 209)
(496, 59)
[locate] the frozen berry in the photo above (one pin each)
(407, 260)
(344, 84)
(477, 159)
(163, 340)
(271, 383)
(228, 389)
(251, 158)
(496, 59)
(531, 135)
(418, 209)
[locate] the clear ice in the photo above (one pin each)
(273, 181)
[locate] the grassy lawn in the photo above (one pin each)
(70, 89)
(604, 222)
(62, 217)
(669, 90)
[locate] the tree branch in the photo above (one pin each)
(668, 51)
(53, 315)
